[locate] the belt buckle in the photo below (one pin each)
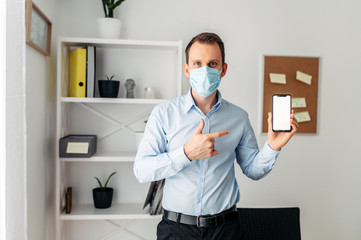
(198, 224)
(206, 217)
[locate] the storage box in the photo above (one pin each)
(77, 146)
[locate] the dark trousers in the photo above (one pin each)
(169, 230)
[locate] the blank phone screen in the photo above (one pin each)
(281, 112)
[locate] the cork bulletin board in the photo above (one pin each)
(297, 76)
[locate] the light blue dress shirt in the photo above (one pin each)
(204, 186)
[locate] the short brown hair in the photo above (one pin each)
(209, 38)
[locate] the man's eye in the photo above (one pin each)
(212, 64)
(197, 63)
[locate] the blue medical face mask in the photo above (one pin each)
(205, 80)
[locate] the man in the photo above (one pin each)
(192, 141)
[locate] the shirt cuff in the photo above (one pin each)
(268, 153)
(179, 158)
(268, 150)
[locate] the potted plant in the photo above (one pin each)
(108, 88)
(102, 195)
(109, 27)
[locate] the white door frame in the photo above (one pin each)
(2, 117)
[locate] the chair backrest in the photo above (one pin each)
(270, 223)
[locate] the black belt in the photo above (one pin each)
(204, 220)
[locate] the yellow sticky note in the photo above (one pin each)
(299, 102)
(302, 116)
(77, 147)
(303, 77)
(278, 78)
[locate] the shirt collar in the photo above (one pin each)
(189, 101)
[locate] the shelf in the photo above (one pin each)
(112, 100)
(116, 211)
(119, 42)
(105, 157)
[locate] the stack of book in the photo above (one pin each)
(82, 72)
(154, 198)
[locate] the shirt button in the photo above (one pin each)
(201, 179)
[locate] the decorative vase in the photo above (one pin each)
(109, 27)
(108, 88)
(102, 199)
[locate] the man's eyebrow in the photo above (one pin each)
(212, 60)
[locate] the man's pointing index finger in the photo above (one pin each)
(218, 134)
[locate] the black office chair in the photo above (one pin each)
(270, 223)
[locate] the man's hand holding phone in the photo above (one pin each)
(276, 140)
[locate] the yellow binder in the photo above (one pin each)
(77, 73)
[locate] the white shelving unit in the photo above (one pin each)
(115, 121)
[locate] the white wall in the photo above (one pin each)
(15, 186)
(320, 172)
(40, 120)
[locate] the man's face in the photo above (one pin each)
(205, 54)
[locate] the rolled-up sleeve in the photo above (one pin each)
(254, 163)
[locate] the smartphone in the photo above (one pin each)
(281, 112)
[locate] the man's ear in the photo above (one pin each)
(224, 70)
(186, 69)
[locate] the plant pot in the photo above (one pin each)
(108, 88)
(102, 199)
(109, 27)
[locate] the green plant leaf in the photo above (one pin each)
(104, 7)
(106, 183)
(109, 78)
(117, 4)
(110, 6)
(100, 183)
